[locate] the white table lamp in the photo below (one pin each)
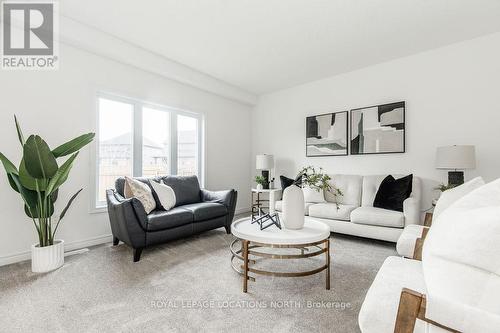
(265, 163)
(456, 158)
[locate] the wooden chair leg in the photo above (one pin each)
(115, 241)
(428, 219)
(412, 306)
(408, 311)
(419, 245)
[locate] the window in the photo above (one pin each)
(187, 145)
(115, 143)
(155, 142)
(140, 139)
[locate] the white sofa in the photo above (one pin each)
(356, 214)
(457, 283)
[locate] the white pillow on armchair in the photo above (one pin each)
(460, 263)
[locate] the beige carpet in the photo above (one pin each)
(187, 286)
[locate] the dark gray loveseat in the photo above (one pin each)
(196, 210)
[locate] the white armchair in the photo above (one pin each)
(456, 285)
(461, 266)
(408, 239)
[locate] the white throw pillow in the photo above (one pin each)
(140, 191)
(313, 195)
(165, 194)
(460, 263)
(448, 197)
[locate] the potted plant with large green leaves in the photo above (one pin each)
(38, 180)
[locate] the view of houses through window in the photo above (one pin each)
(155, 142)
(138, 140)
(115, 143)
(187, 146)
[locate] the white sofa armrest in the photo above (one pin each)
(411, 211)
(408, 239)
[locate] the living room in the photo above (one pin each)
(250, 166)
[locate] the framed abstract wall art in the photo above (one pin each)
(378, 129)
(326, 134)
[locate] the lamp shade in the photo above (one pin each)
(264, 162)
(456, 157)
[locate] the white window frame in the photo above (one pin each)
(138, 105)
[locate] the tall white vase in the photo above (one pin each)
(47, 258)
(293, 208)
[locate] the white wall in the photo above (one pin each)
(60, 105)
(452, 96)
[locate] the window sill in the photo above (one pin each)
(98, 210)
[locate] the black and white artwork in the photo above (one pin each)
(326, 134)
(378, 129)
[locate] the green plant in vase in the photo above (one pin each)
(442, 187)
(260, 180)
(320, 181)
(39, 177)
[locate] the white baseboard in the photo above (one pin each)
(242, 210)
(26, 255)
(22, 256)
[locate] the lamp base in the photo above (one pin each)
(455, 178)
(265, 174)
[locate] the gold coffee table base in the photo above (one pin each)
(247, 249)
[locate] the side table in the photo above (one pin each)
(258, 204)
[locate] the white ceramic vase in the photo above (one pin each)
(47, 258)
(293, 208)
(259, 187)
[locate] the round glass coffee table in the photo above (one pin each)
(312, 240)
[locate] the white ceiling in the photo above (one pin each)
(266, 45)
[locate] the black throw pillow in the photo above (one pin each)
(392, 192)
(285, 182)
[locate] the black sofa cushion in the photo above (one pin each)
(392, 192)
(176, 217)
(285, 182)
(205, 210)
(186, 188)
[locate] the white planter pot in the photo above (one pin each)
(259, 187)
(47, 258)
(293, 208)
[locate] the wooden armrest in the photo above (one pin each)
(419, 245)
(428, 220)
(412, 306)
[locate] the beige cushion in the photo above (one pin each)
(448, 197)
(350, 185)
(165, 194)
(378, 216)
(461, 263)
(329, 211)
(380, 307)
(406, 242)
(279, 206)
(140, 191)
